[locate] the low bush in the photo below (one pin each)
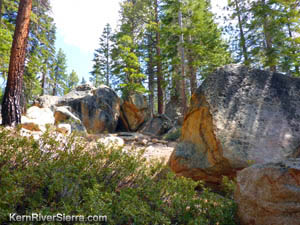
(173, 135)
(50, 177)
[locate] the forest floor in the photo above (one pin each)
(154, 148)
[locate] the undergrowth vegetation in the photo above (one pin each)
(50, 177)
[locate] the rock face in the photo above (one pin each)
(174, 111)
(237, 116)
(269, 194)
(158, 125)
(37, 118)
(134, 112)
(98, 109)
(46, 101)
(63, 114)
(85, 108)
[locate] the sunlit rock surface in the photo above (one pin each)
(269, 194)
(134, 112)
(238, 116)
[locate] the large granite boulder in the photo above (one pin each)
(269, 194)
(98, 109)
(134, 112)
(238, 115)
(85, 108)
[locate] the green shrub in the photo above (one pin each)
(174, 135)
(50, 177)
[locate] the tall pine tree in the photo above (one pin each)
(102, 68)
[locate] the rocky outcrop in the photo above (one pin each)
(98, 109)
(134, 112)
(157, 126)
(85, 108)
(46, 101)
(63, 114)
(37, 119)
(174, 111)
(238, 115)
(269, 194)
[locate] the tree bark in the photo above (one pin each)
(43, 82)
(151, 76)
(242, 35)
(268, 40)
(160, 93)
(291, 36)
(192, 71)
(1, 13)
(11, 110)
(181, 47)
(107, 61)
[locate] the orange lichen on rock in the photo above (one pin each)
(132, 116)
(198, 129)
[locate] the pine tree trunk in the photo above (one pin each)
(268, 41)
(183, 86)
(54, 91)
(11, 109)
(107, 62)
(151, 77)
(192, 71)
(55, 88)
(1, 13)
(193, 79)
(175, 96)
(291, 36)
(43, 82)
(160, 93)
(242, 36)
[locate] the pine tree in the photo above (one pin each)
(103, 59)
(268, 34)
(72, 81)
(127, 67)
(41, 50)
(83, 81)
(239, 12)
(59, 76)
(199, 37)
(11, 110)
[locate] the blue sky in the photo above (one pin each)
(79, 26)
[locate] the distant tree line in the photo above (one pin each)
(45, 70)
(164, 48)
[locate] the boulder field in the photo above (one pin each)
(86, 108)
(238, 116)
(97, 110)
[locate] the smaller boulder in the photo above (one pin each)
(112, 142)
(134, 112)
(37, 119)
(269, 194)
(64, 128)
(158, 125)
(174, 111)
